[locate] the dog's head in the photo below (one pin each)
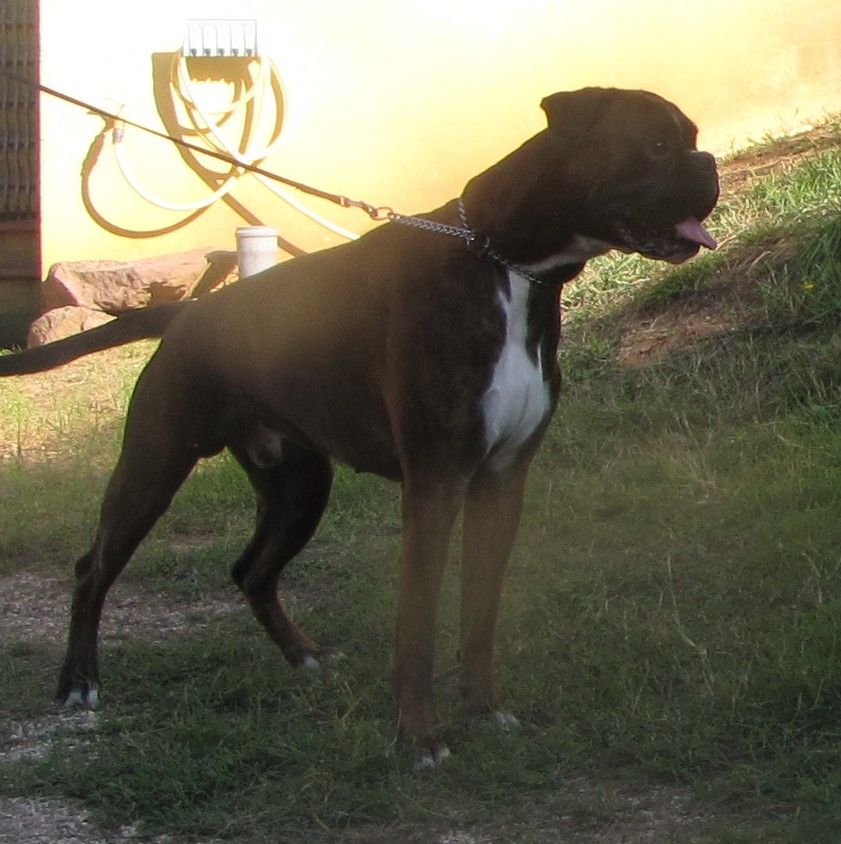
(619, 168)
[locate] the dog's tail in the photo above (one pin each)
(141, 324)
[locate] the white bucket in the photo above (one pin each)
(256, 249)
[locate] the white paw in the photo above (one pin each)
(76, 697)
(432, 759)
(506, 720)
(310, 663)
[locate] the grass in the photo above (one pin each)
(671, 623)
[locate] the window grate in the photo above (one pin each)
(18, 111)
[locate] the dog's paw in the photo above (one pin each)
(506, 720)
(84, 697)
(324, 659)
(432, 757)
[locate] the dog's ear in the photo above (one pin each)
(579, 109)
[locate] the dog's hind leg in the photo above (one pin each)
(161, 445)
(140, 490)
(292, 491)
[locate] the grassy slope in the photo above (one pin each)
(672, 616)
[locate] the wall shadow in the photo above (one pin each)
(231, 70)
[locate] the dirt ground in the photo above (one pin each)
(35, 607)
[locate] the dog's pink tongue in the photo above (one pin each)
(693, 231)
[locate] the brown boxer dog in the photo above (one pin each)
(425, 351)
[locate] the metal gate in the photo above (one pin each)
(18, 111)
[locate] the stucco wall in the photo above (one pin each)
(399, 102)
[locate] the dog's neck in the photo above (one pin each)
(578, 250)
(565, 265)
(552, 271)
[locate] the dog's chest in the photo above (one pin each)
(518, 399)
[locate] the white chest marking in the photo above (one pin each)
(518, 399)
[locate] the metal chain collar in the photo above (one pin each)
(476, 242)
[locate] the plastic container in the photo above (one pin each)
(256, 249)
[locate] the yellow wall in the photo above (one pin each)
(400, 102)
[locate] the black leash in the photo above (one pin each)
(374, 212)
(475, 241)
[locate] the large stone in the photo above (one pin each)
(62, 322)
(118, 286)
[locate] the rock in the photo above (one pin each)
(78, 295)
(62, 322)
(221, 269)
(118, 286)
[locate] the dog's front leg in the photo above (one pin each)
(429, 509)
(491, 517)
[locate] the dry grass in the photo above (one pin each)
(44, 417)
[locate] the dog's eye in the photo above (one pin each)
(659, 149)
